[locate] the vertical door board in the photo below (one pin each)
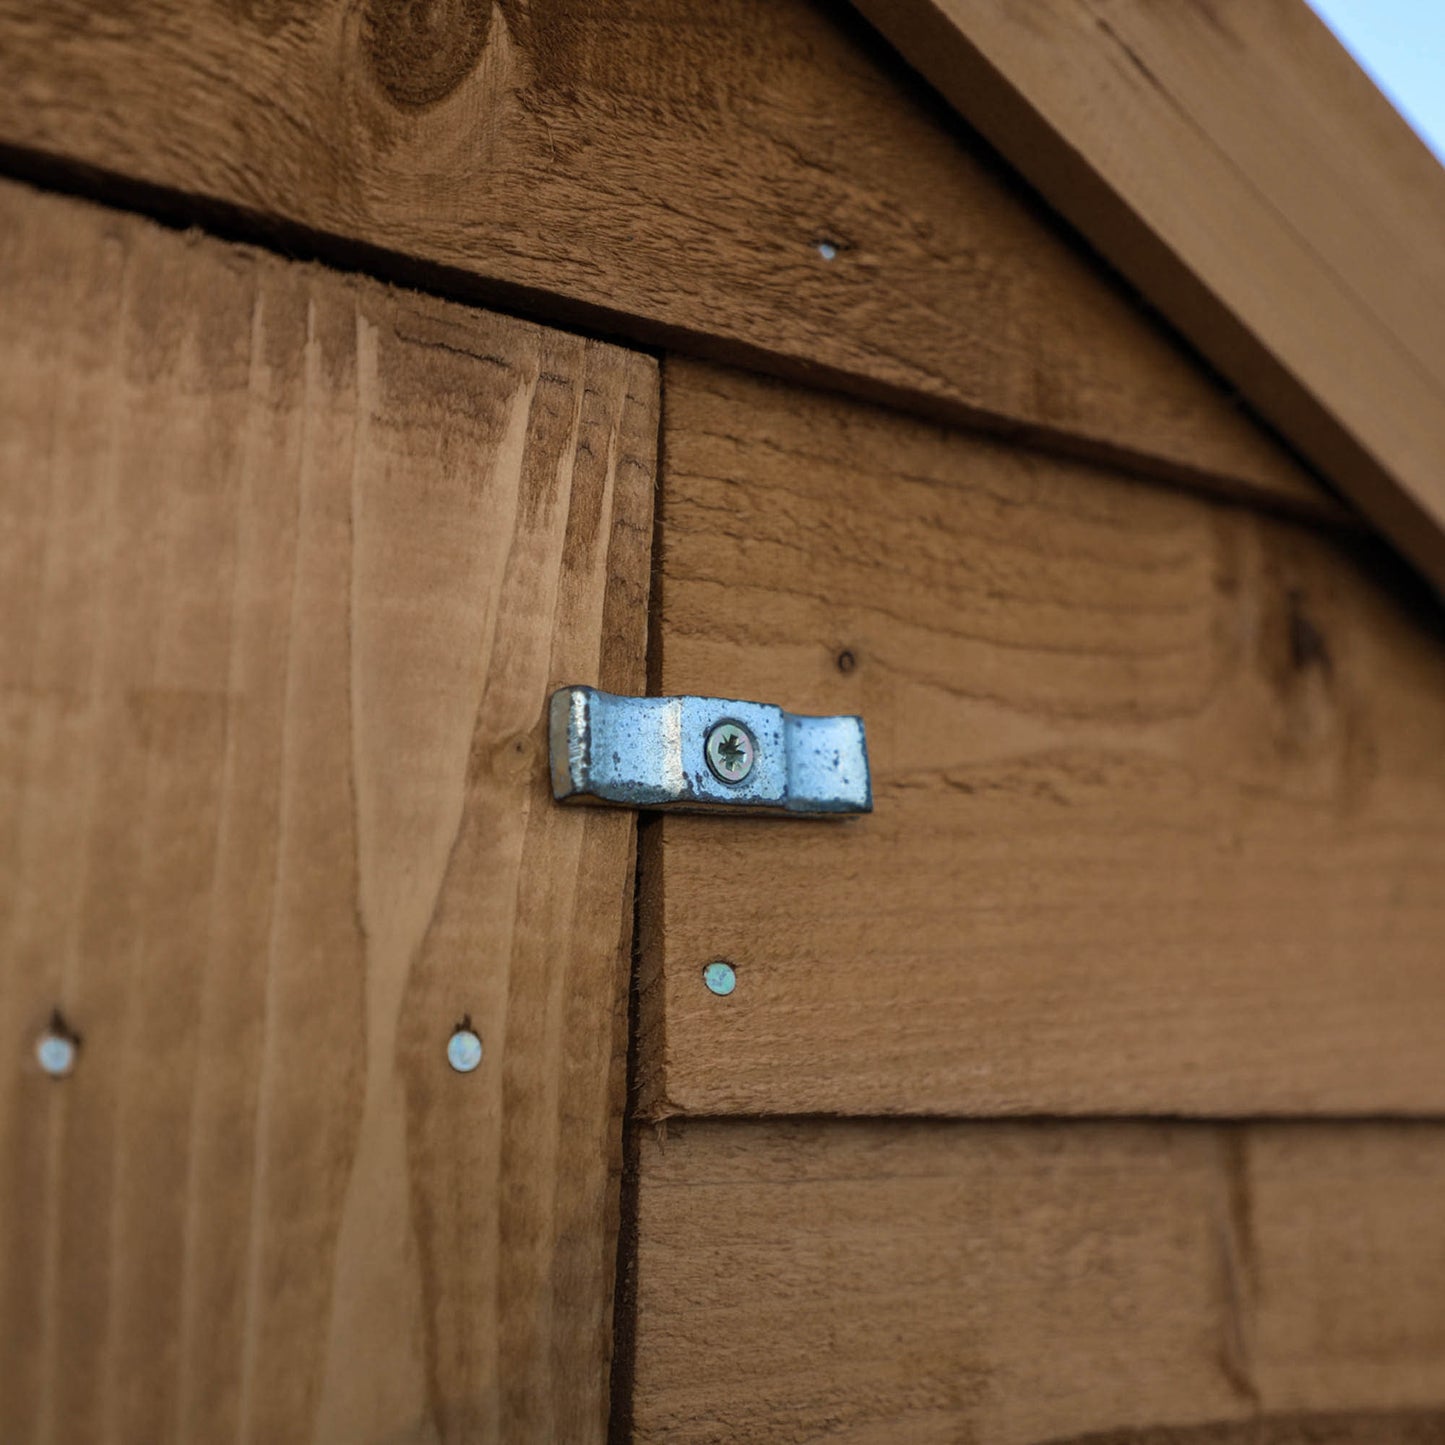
(880, 1281)
(1160, 798)
(288, 564)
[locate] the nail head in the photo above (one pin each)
(464, 1051)
(56, 1053)
(720, 978)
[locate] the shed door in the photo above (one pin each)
(290, 563)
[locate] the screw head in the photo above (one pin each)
(56, 1053)
(464, 1051)
(720, 978)
(730, 751)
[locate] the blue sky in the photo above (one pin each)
(1402, 44)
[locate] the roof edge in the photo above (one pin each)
(1234, 163)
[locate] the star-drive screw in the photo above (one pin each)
(730, 752)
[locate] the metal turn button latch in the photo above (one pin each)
(705, 753)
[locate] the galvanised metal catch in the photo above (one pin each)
(704, 753)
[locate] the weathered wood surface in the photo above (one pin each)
(667, 171)
(1233, 161)
(934, 1282)
(290, 562)
(1160, 797)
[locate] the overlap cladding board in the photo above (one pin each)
(290, 564)
(757, 180)
(1036, 1283)
(1159, 800)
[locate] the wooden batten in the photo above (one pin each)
(675, 172)
(290, 563)
(1160, 802)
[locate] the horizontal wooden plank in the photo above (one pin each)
(1160, 797)
(1236, 165)
(875, 1282)
(288, 563)
(751, 179)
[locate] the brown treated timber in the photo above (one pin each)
(1160, 797)
(1236, 165)
(871, 1283)
(290, 562)
(665, 170)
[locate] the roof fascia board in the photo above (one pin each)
(1236, 165)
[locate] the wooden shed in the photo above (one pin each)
(1058, 386)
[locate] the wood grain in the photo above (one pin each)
(290, 564)
(1160, 800)
(934, 1282)
(666, 171)
(1233, 162)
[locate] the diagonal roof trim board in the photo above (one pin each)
(1236, 165)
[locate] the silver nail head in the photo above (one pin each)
(464, 1051)
(720, 978)
(56, 1054)
(730, 752)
